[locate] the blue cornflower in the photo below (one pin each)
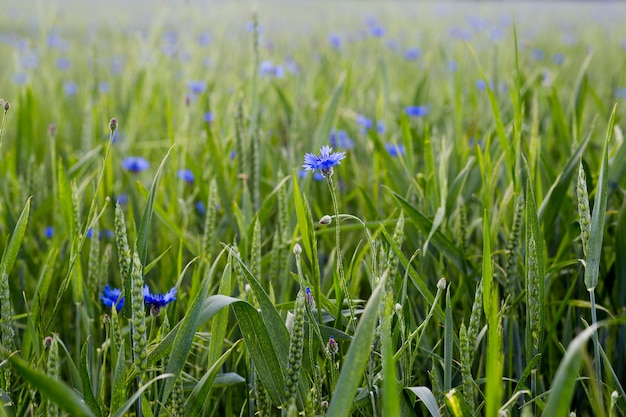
(395, 150)
(63, 63)
(70, 88)
(49, 232)
(480, 84)
(377, 31)
(200, 208)
(196, 87)
(412, 54)
(267, 68)
(380, 127)
(334, 40)
(324, 162)
(135, 164)
(186, 175)
(537, 54)
(122, 199)
(340, 139)
(208, 117)
(416, 111)
(103, 87)
(112, 296)
(558, 58)
(89, 233)
(365, 123)
(309, 298)
(204, 39)
(157, 300)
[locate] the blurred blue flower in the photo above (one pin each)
(200, 208)
(412, 54)
(558, 58)
(340, 139)
(620, 92)
(291, 65)
(20, 78)
(380, 127)
(122, 199)
(233, 154)
(335, 40)
(250, 27)
(267, 68)
(70, 88)
(49, 232)
(29, 61)
(416, 111)
(103, 87)
(496, 34)
(208, 117)
(157, 299)
(205, 39)
(365, 123)
(325, 162)
(112, 297)
(135, 164)
(63, 63)
(185, 175)
(317, 176)
(480, 84)
(377, 31)
(196, 87)
(460, 34)
(89, 233)
(395, 149)
(54, 40)
(452, 66)
(537, 54)
(117, 65)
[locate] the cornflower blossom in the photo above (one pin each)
(325, 162)
(185, 175)
(340, 139)
(158, 300)
(416, 111)
(135, 164)
(112, 297)
(395, 150)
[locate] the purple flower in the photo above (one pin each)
(480, 84)
(377, 31)
(309, 298)
(157, 299)
(325, 162)
(395, 150)
(268, 69)
(112, 297)
(365, 123)
(204, 39)
(135, 164)
(208, 117)
(186, 175)
(416, 111)
(537, 54)
(558, 58)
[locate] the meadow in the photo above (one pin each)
(312, 208)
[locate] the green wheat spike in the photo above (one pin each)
(584, 212)
(466, 352)
(256, 168)
(7, 334)
(76, 205)
(138, 319)
(124, 257)
(474, 324)
(513, 249)
(52, 368)
(93, 270)
(255, 250)
(296, 346)
(262, 401)
(208, 236)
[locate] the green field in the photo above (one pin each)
(461, 250)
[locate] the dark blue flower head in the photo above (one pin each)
(416, 111)
(112, 297)
(157, 299)
(185, 175)
(380, 127)
(135, 164)
(324, 162)
(395, 149)
(200, 208)
(49, 232)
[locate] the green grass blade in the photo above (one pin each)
(10, 254)
(356, 358)
(427, 397)
(562, 387)
(84, 376)
(323, 130)
(599, 214)
(118, 384)
(138, 393)
(448, 343)
(146, 218)
(220, 321)
(456, 405)
(197, 397)
(439, 240)
(56, 391)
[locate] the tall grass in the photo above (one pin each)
(464, 259)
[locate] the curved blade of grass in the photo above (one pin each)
(456, 405)
(356, 358)
(562, 387)
(137, 394)
(427, 397)
(197, 397)
(146, 218)
(84, 376)
(439, 240)
(118, 385)
(10, 254)
(56, 391)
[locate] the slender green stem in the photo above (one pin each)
(596, 347)
(340, 271)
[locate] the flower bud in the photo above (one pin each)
(441, 285)
(297, 249)
(113, 124)
(326, 220)
(7, 106)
